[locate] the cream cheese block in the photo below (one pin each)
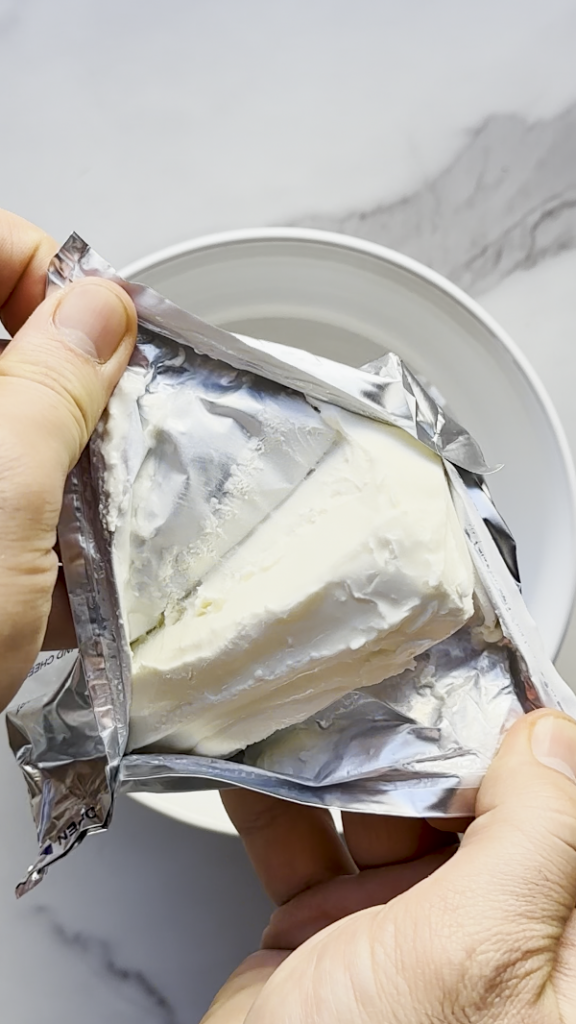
(360, 569)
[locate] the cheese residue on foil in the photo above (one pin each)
(338, 581)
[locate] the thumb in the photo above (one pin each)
(238, 995)
(517, 862)
(56, 376)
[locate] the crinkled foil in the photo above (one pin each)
(417, 744)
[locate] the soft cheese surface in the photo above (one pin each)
(362, 567)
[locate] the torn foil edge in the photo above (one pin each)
(69, 745)
(90, 704)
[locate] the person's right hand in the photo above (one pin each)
(487, 935)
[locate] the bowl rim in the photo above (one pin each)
(225, 239)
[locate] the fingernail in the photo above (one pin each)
(554, 744)
(93, 318)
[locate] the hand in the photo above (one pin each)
(56, 374)
(480, 934)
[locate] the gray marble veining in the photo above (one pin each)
(101, 957)
(506, 202)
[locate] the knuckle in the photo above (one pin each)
(257, 815)
(60, 402)
(500, 980)
(27, 504)
(26, 585)
(472, 967)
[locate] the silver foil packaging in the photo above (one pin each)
(417, 744)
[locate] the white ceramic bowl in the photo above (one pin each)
(350, 300)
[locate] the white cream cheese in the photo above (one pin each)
(361, 568)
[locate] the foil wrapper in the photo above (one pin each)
(417, 744)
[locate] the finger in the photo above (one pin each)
(517, 861)
(454, 825)
(56, 376)
(375, 840)
(236, 998)
(292, 847)
(60, 633)
(310, 912)
(25, 252)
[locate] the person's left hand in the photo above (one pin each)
(66, 355)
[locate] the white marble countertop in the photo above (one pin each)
(445, 130)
